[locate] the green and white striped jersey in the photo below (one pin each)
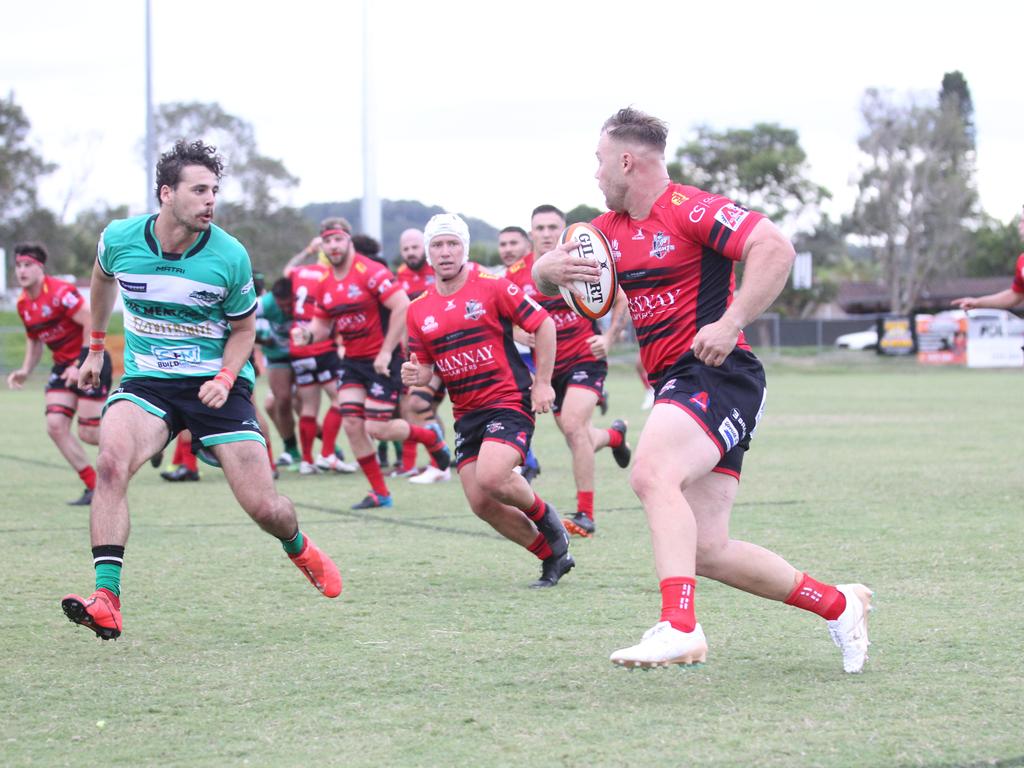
(177, 307)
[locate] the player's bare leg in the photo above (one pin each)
(573, 420)
(60, 411)
(248, 473)
(353, 420)
(89, 413)
(510, 522)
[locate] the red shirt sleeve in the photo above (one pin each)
(514, 303)
(384, 284)
(1018, 275)
(716, 222)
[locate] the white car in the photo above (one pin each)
(858, 340)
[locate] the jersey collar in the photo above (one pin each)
(154, 244)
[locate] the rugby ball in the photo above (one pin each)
(591, 300)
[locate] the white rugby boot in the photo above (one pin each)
(850, 630)
(663, 645)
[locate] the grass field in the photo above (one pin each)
(438, 654)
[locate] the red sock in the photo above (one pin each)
(409, 454)
(422, 435)
(540, 547)
(536, 510)
(614, 438)
(677, 602)
(88, 476)
(307, 434)
(176, 461)
(822, 599)
(371, 468)
(585, 503)
(332, 424)
(188, 459)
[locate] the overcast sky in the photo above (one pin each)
(492, 108)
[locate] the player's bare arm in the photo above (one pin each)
(214, 393)
(102, 295)
(561, 266)
(769, 257)
(415, 373)
(81, 317)
(397, 303)
(1007, 299)
(522, 337)
(541, 393)
(33, 352)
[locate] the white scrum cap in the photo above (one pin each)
(447, 224)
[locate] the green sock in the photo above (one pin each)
(294, 545)
(108, 559)
(108, 576)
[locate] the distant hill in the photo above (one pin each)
(396, 217)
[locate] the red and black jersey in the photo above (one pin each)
(676, 268)
(354, 303)
(415, 281)
(47, 318)
(467, 337)
(573, 331)
(306, 282)
(1018, 275)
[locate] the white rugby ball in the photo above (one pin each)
(591, 300)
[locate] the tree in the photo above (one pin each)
(916, 190)
(763, 168)
(20, 166)
(257, 176)
(994, 248)
(581, 213)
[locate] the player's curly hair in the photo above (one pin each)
(182, 154)
(632, 125)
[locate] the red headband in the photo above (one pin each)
(329, 232)
(28, 256)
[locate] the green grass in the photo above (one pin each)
(438, 654)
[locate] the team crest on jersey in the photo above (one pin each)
(474, 310)
(450, 305)
(616, 253)
(69, 300)
(46, 311)
(521, 438)
(639, 234)
(354, 292)
(494, 426)
(700, 399)
(678, 198)
(669, 386)
(204, 296)
(429, 324)
(376, 390)
(731, 216)
(661, 246)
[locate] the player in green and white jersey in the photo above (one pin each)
(189, 324)
(273, 326)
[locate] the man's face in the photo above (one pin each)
(447, 256)
(410, 247)
(337, 246)
(512, 246)
(285, 304)
(28, 271)
(544, 231)
(610, 179)
(191, 202)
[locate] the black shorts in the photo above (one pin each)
(176, 401)
(726, 401)
(502, 425)
(56, 384)
(588, 375)
(322, 369)
(358, 372)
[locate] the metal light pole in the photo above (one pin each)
(369, 211)
(150, 138)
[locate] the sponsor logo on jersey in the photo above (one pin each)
(494, 426)
(580, 376)
(616, 253)
(128, 285)
(450, 305)
(157, 328)
(462, 362)
(512, 289)
(639, 234)
(729, 433)
(474, 310)
(204, 296)
(644, 306)
(175, 270)
(731, 216)
(697, 213)
(678, 198)
(159, 310)
(429, 324)
(700, 399)
(661, 245)
(251, 423)
(248, 287)
(669, 386)
(176, 357)
(739, 420)
(354, 292)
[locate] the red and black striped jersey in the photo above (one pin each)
(676, 268)
(573, 331)
(467, 337)
(306, 282)
(47, 318)
(415, 281)
(353, 305)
